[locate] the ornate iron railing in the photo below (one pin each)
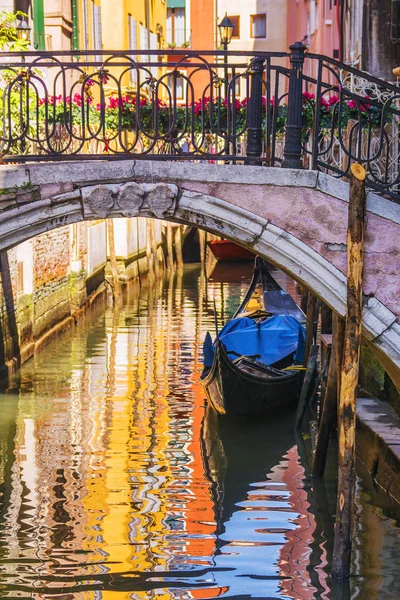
(292, 109)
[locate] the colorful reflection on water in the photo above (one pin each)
(117, 483)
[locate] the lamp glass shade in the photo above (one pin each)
(226, 30)
(23, 31)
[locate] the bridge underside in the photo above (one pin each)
(295, 219)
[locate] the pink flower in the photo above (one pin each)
(113, 102)
(324, 103)
(333, 100)
(77, 99)
(308, 96)
(365, 106)
(352, 104)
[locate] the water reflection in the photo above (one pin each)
(115, 481)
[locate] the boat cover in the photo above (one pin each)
(273, 339)
(279, 302)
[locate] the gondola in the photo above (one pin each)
(252, 368)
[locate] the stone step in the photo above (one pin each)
(378, 442)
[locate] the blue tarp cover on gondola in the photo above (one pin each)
(274, 339)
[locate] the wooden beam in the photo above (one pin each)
(178, 247)
(113, 260)
(349, 376)
(170, 247)
(329, 409)
(312, 317)
(308, 383)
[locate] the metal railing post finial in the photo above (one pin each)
(254, 111)
(292, 151)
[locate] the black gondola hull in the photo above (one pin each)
(231, 391)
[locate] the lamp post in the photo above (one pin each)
(23, 31)
(225, 32)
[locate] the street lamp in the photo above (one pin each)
(23, 31)
(225, 31)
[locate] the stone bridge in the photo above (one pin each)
(296, 219)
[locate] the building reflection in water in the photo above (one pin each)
(115, 481)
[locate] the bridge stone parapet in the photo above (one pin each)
(296, 219)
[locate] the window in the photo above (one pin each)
(96, 28)
(236, 26)
(153, 58)
(313, 16)
(132, 26)
(176, 27)
(180, 85)
(85, 25)
(258, 26)
(236, 84)
(144, 42)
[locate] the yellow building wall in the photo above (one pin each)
(115, 21)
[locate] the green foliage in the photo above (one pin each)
(8, 32)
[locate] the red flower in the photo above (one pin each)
(308, 96)
(333, 100)
(324, 103)
(365, 106)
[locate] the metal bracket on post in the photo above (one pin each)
(254, 112)
(292, 152)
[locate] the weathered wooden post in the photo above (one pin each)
(170, 247)
(307, 385)
(349, 376)
(329, 409)
(154, 248)
(113, 260)
(312, 317)
(178, 247)
(149, 254)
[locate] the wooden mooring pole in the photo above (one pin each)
(349, 377)
(330, 401)
(113, 260)
(312, 318)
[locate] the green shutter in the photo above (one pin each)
(38, 25)
(75, 25)
(176, 3)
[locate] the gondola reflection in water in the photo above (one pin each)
(258, 486)
(254, 365)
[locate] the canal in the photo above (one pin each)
(116, 481)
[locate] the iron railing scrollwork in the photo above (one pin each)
(296, 110)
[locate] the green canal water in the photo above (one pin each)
(116, 481)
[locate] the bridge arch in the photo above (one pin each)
(295, 219)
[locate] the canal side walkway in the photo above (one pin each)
(378, 443)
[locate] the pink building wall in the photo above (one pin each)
(317, 24)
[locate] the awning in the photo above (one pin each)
(176, 3)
